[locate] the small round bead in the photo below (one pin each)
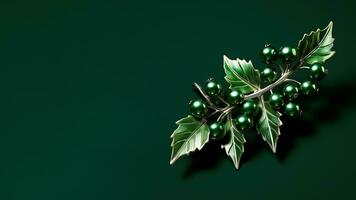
(198, 108)
(269, 55)
(243, 122)
(290, 91)
(308, 88)
(216, 130)
(213, 88)
(287, 54)
(317, 72)
(292, 109)
(250, 107)
(235, 97)
(269, 75)
(276, 100)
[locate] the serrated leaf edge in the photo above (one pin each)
(328, 30)
(175, 158)
(264, 112)
(229, 146)
(254, 87)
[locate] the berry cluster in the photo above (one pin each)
(254, 99)
(245, 110)
(284, 100)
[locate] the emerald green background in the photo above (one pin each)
(90, 91)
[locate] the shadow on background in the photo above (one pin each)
(326, 106)
(206, 159)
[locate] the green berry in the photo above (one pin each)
(212, 88)
(235, 97)
(269, 74)
(290, 91)
(198, 108)
(287, 54)
(269, 55)
(292, 109)
(276, 100)
(216, 130)
(317, 72)
(308, 88)
(250, 107)
(243, 122)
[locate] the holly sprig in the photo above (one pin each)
(254, 98)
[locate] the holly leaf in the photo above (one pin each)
(190, 135)
(269, 123)
(235, 147)
(241, 75)
(315, 47)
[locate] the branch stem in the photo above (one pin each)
(260, 92)
(293, 81)
(304, 67)
(201, 93)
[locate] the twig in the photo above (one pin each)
(304, 67)
(223, 100)
(225, 112)
(281, 79)
(269, 87)
(201, 93)
(292, 80)
(281, 68)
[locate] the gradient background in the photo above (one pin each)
(90, 91)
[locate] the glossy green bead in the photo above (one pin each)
(216, 130)
(269, 75)
(317, 72)
(276, 100)
(308, 88)
(213, 88)
(287, 54)
(269, 55)
(198, 108)
(235, 97)
(292, 109)
(250, 107)
(243, 122)
(290, 91)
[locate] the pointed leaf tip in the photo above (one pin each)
(241, 75)
(235, 147)
(190, 135)
(316, 47)
(268, 124)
